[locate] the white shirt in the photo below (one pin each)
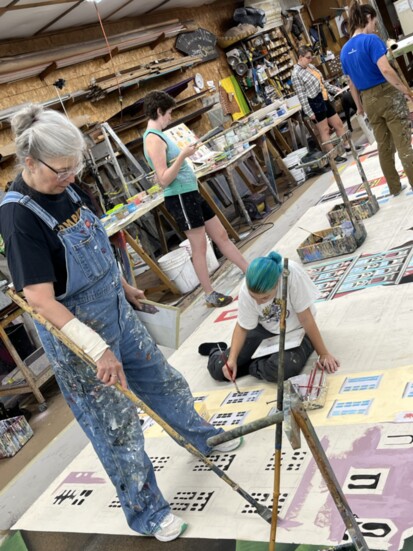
(301, 294)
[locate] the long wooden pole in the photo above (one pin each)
(263, 511)
(280, 402)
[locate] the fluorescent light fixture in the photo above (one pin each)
(94, 1)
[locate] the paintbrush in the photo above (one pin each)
(224, 359)
(311, 381)
(320, 382)
(311, 232)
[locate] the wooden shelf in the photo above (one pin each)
(31, 382)
(278, 53)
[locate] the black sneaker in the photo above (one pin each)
(206, 348)
(340, 160)
(356, 147)
(217, 300)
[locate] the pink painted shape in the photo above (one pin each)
(393, 504)
(81, 477)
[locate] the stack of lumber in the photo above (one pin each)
(135, 75)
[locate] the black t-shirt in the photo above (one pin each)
(34, 252)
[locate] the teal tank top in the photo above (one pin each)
(186, 180)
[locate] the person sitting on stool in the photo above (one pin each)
(259, 309)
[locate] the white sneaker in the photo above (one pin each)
(170, 528)
(229, 446)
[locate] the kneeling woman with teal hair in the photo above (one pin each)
(259, 309)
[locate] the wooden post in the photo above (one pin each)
(152, 264)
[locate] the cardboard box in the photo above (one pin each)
(14, 433)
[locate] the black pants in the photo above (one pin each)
(266, 367)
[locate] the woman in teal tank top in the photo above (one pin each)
(191, 212)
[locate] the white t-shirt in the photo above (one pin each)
(301, 294)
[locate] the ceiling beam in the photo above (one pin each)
(35, 5)
(118, 9)
(6, 8)
(57, 18)
(162, 3)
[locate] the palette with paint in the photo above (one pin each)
(362, 208)
(331, 242)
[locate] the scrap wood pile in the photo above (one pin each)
(142, 119)
(133, 76)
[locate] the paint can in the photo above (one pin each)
(178, 267)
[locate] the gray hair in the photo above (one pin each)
(45, 134)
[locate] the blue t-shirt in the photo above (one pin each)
(359, 58)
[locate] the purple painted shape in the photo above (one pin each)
(393, 504)
(81, 477)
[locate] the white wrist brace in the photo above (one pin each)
(85, 338)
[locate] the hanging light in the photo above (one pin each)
(95, 2)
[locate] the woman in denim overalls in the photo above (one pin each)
(93, 310)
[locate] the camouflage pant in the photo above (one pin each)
(389, 117)
(266, 367)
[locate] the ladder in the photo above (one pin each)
(106, 153)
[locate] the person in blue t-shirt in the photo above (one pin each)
(378, 91)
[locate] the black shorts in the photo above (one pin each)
(190, 210)
(322, 109)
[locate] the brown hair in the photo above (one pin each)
(157, 100)
(303, 51)
(358, 15)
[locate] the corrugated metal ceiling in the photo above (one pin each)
(27, 18)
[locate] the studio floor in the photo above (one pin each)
(55, 491)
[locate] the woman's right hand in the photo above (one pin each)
(189, 150)
(229, 369)
(110, 370)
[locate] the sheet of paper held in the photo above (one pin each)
(272, 344)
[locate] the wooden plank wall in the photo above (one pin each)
(324, 8)
(216, 18)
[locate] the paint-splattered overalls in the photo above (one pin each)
(94, 295)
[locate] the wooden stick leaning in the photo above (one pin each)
(280, 405)
(263, 511)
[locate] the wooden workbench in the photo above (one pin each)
(31, 382)
(157, 204)
(269, 135)
(228, 169)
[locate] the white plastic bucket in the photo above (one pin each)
(212, 262)
(366, 128)
(178, 267)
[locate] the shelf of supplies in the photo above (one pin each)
(279, 54)
(258, 57)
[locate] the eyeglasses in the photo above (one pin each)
(66, 173)
(309, 56)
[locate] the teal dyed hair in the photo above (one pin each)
(263, 273)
